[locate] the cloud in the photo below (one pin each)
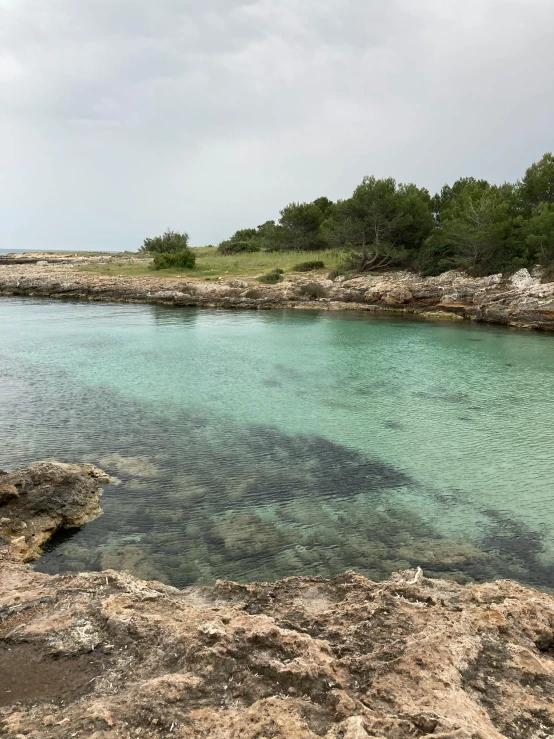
(122, 117)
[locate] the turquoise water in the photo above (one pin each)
(257, 445)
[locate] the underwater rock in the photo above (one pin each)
(133, 559)
(38, 500)
(107, 655)
(131, 466)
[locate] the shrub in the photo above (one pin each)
(308, 266)
(270, 278)
(238, 247)
(314, 290)
(339, 272)
(184, 259)
(171, 242)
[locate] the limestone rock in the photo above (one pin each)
(522, 279)
(397, 295)
(107, 655)
(37, 500)
(521, 301)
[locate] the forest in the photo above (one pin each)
(472, 225)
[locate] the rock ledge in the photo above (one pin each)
(38, 500)
(105, 655)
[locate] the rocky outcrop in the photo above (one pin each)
(38, 500)
(104, 655)
(521, 300)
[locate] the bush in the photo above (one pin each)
(308, 266)
(339, 272)
(270, 278)
(313, 290)
(184, 259)
(170, 243)
(238, 247)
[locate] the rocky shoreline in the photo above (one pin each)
(103, 654)
(43, 498)
(520, 300)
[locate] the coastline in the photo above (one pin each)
(519, 301)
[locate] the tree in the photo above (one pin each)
(300, 224)
(539, 235)
(270, 236)
(380, 223)
(243, 240)
(476, 230)
(537, 185)
(325, 205)
(169, 242)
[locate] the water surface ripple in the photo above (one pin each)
(257, 445)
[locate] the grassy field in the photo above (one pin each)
(210, 264)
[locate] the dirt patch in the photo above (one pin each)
(28, 673)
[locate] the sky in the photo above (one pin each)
(121, 118)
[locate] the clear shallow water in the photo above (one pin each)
(257, 445)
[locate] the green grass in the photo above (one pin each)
(210, 264)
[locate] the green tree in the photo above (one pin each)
(380, 223)
(539, 235)
(325, 205)
(477, 231)
(170, 241)
(270, 236)
(537, 186)
(300, 224)
(243, 240)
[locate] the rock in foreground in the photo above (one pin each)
(38, 500)
(105, 655)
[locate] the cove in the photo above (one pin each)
(259, 445)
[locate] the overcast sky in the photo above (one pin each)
(119, 118)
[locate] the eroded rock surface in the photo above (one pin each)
(520, 300)
(38, 500)
(104, 655)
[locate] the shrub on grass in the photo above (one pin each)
(270, 278)
(308, 266)
(184, 259)
(238, 247)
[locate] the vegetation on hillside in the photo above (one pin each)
(470, 225)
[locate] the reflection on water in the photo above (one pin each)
(261, 445)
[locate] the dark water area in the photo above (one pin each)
(254, 446)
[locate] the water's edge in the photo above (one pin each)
(520, 301)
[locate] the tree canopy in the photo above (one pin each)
(470, 225)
